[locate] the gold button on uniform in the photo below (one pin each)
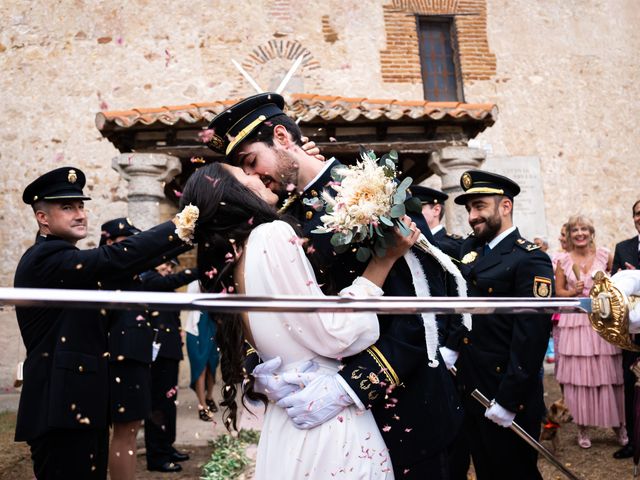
(466, 340)
(498, 369)
(81, 369)
(520, 408)
(490, 290)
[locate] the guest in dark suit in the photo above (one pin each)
(64, 405)
(502, 355)
(160, 427)
(433, 210)
(408, 390)
(627, 257)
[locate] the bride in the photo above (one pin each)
(244, 246)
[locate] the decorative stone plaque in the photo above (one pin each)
(528, 206)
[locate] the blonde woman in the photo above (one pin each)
(590, 368)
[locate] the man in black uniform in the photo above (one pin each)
(433, 211)
(130, 338)
(63, 412)
(502, 355)
(160, 427)
(410, 393)
(627, 257)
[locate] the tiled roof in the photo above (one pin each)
(310, 108)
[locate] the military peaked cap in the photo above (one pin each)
(59, 184)
(479, 182)
(231, 126)
(429, 195)
(118, 227)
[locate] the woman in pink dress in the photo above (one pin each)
(590, 368)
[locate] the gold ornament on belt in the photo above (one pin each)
(610, 309)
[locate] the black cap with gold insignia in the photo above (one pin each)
(233, 125)
(60, 184)
(480, 182)
(429, 195)
(118, 227)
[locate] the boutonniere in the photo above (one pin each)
(470, 257)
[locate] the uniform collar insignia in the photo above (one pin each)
(288, 202)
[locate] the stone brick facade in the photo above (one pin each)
(565, 75)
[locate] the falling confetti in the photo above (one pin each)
(205, 136)
(211, 273)
(177, 193)
(197, 160)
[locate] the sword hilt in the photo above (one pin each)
(610, 309)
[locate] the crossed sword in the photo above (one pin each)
(608, 310)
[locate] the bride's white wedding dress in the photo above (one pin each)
(350, 445)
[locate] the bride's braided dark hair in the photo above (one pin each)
(229, 211)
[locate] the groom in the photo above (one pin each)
(415, 405)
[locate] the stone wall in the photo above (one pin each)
(564, 74)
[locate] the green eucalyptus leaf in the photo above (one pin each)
(363, 254)
(340, 248)
(406, 183)
(400, 196)
(379, 230)
(403, 228)
(386, 221)
(393, 155)
(398, 211)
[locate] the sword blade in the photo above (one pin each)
(522, 433)
(119, 300)
(247, 77)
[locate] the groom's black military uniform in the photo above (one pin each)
(421, 416)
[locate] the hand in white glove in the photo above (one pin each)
(500, 415)
(628, 281)
(449, 356)
(320, 400)
(273, 384)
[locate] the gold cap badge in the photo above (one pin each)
(72, 176)
(466, 181)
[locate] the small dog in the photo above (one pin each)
(557, 414)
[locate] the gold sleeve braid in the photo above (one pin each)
(384, 365)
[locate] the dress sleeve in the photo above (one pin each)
(276, 264)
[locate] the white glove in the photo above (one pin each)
(500, 415)
(273, 384)
(320, 400)
(449, 356)
(628, 281)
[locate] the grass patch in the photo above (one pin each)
(229, 459)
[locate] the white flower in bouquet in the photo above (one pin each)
(186, 223)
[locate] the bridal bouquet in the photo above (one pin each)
(368, 204)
